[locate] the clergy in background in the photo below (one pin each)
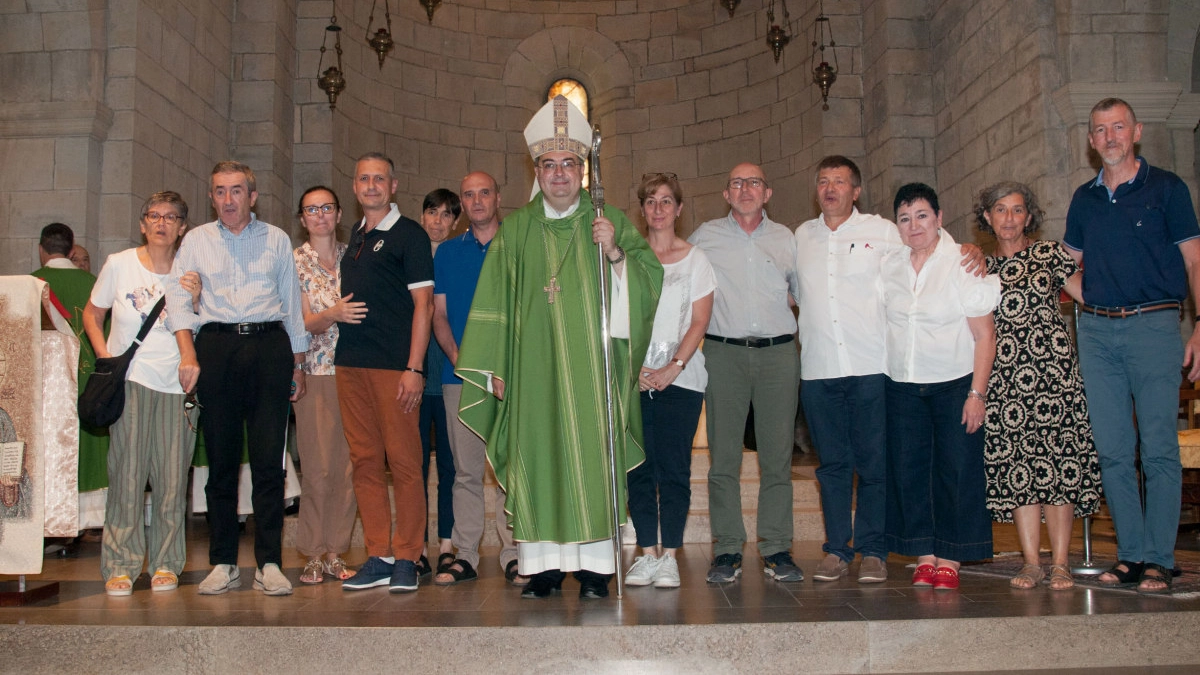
(532, 364)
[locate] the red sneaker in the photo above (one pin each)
(945, 579)
(924, 576)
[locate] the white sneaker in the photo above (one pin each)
(270, 580)
(641, 573)
(221, 579)
(667, 574)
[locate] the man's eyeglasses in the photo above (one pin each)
(170, 218)
(567, 165)
(319, 208)
(740, 183)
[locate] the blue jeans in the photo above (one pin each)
(1128, 363)
(433, 418)
(660, 489)
(936, 486)
(847, 418)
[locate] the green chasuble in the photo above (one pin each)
(73, 287)
(545, 440)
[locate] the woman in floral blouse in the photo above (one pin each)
(328, 507)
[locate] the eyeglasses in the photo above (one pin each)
(189, 404)
(567, 165)
(741, 183)
(170, 218)
(319, 208)
(659, 176)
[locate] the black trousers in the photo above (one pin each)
(244, 386)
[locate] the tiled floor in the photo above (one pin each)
(488, 601)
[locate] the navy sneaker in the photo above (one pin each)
(781, 567)
(374, 572)
(404, 577)
(726, 568)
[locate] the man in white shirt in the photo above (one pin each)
(841, 329)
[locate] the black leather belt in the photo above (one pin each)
(753, 343)
(243, 328)
(1135, 310)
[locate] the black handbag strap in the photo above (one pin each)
(148, 324)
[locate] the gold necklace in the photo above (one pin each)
(553, 288)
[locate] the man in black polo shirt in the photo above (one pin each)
(1134, 231)
(388, 265)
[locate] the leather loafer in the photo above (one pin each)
(924, 575)
(593, 586)
(542, 584)
(945, 579)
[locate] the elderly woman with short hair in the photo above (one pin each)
(1039, 454)
(940, 343)
(155, 436)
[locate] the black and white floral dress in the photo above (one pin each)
(1039, 447)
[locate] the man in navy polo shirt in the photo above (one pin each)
(1134, 231)
(380, 378)
(456, 271)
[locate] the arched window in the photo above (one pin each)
(574, 92)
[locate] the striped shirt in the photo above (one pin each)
(247, 278)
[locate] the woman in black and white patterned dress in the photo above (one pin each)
(1039, 455)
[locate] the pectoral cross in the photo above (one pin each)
(551, 290)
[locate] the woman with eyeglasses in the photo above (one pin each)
(155, 436)
(672, 381)
(328, 506)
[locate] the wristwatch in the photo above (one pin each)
(679, 362)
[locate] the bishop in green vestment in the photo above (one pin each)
(531, 357)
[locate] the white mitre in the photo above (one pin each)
(559, 127)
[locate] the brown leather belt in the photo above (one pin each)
(1135, 310)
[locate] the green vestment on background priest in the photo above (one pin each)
(545, 440)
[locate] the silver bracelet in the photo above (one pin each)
(977, 395)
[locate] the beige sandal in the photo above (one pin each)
(1060, 578)
(164, 580)
(337, 569)
(314, 571)
(119, 585)
(1028, 577)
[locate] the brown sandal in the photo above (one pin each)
(1060, 578)
(1029, 576)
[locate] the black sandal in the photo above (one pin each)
(1131, 575)
(1161, 574)
(445, 560)
(467, 573)
(513, 576)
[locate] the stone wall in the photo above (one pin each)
(168, 82)
(53, 121)
(107, 101)
(677, 86)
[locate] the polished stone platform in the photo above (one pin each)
(753, 625)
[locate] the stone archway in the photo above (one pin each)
(605, 71)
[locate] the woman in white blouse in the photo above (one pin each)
(155, 436)
(672, 382)
(940, 346)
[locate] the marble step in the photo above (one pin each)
(807, 521)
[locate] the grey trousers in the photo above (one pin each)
(152, 441)
(470, 469)
(770, 378)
